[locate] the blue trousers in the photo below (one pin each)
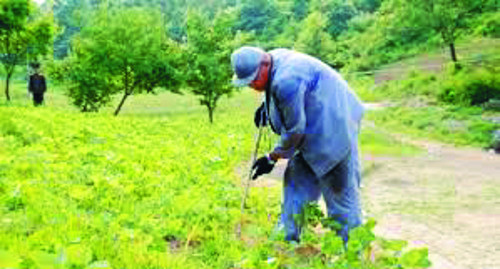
(339, 188)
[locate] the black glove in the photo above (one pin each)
(262, 166)
(260, 118)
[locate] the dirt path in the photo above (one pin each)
(447, 199)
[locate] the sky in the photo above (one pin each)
(39, 1)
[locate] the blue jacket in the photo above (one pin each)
(310, 100)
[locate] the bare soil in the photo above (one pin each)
(447, 199)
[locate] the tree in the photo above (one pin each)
(124, 50)
(337, 13)
(299, 9)
(83, 78)
(70, 17)
(339, 16)
(367, 5)
(314, 40)
(208, 55)
(263, 17)
(445, 17)
(23, 33)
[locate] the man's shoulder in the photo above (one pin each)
(291, 65)
(280, 51)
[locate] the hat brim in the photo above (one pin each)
(242, 82)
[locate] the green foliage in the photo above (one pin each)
(13, 15)
(446, 17)
(24, 34)
(367, 5)
(299, 9)
(464, 85)
(376, 39)
(84, 82)
(313, 38)
(210, 44)
(288, 37)
(416, 85)
(451, 124)
(338, 16)
(375, 142)
(471, 87)
(82, 190)
(70, 16)
(263, 17)
(311, 215)
(123, 50)
(488, 25)
(363, 250)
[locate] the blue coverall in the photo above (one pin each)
(308, 99)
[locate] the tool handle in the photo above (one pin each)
(247, 183)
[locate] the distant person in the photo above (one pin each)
(318, 117)
(496, 141)
(37, 87)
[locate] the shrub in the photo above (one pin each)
(489, 25)
(470, 87)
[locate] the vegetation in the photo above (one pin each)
(156, 187)
(352, 36)
(471, 87)
(447, 107)
(208, 49)
(451, 124)
(122, 51)
(25, 34)
(94, 190)
(445, 17)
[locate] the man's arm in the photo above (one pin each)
(30, 84)
(290, 94)
(44, 85)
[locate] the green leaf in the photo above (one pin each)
(393, 245)
(332, 244)
(45, 260)
(416, 258)
(9, 260)
(370, 224)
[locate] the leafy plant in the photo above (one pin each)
(363, 249)
(208, 70)
(471, 87)
(123, 50)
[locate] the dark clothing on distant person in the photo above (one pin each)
(37, 87)
(37, 99)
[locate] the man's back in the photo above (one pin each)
(314, 100)
(37, 84)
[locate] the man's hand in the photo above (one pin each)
(260, 118)
(263, 165)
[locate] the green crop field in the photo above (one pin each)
(153, 188)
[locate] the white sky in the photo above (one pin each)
(39, 1)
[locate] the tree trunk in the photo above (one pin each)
(453, 52)
(127, 92)
(121, 103)
(7, 83)
(211, 114)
